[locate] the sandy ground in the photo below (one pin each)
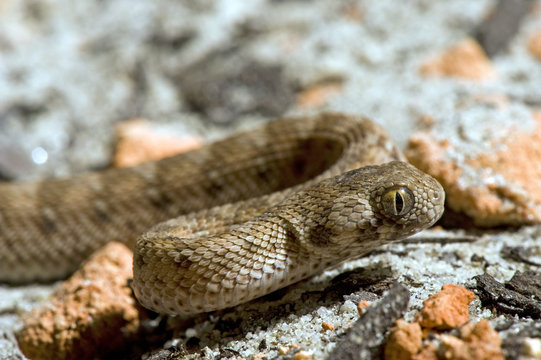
(69, 71)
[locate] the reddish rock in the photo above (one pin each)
(446, 309)
(90, 315)
(318, 95)
(427, 352)
(404, 341)
(302, 355)
(480, 332)
(477, 342)
(139, 142)
(465, 60)
(534, 45)
(443, 311)
(495, 185)
(259, 356)
(363, 304)
(327, 326)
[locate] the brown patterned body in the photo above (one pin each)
(48, 228)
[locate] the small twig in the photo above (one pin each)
(439, 240)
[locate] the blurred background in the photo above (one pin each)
(76, 77)
(71, 71)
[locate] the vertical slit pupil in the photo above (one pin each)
(399, 202)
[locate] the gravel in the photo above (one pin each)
(69, 71)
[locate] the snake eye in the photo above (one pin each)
(397, 201)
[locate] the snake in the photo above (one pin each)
(229, 222)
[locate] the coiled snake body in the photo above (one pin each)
(263, 209)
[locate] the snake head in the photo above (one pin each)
(371, 206)
(404, 201)
(359, 210)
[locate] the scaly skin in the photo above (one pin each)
(180, 269)
(261, 210)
